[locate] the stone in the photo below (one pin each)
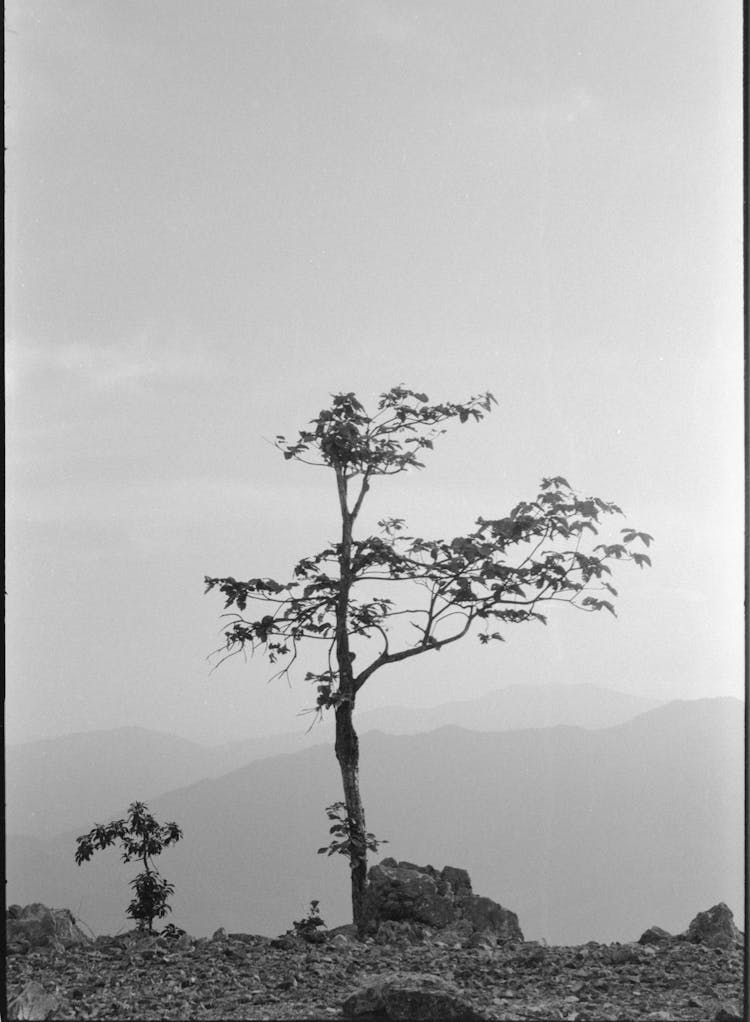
(392, 931)
(483, 938)
(39, 926)
(251, 939)
(727, 1013)
(715, 928)
(348, 929)
(403, 891)
(18, 947)
(407, 996)
(623, 954)
(456, 934)
(458, 879)
(486, 914)
(33, 1004)
(655, 935)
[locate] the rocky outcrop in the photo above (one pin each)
(38, 926)
(410, 996)
(402, 892)
(715, 927)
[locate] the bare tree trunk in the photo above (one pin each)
(347, 743)
(347, 753)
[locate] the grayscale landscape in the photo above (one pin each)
(588, 834)
(375, 600)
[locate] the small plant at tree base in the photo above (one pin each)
(307, 928)
(140, 837)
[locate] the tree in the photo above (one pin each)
(500, 571)
(141, 837)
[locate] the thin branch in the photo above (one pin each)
(404, 654)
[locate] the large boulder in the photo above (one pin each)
(405, 892)
(715, 927)
(410, 996)
(34, 1004)
(38, 926)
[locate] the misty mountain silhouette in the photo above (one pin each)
(514, 708)
(59, 783)
(586, 834)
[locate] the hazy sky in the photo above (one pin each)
(220, 213)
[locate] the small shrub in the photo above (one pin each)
(307, 928)
(140, 837)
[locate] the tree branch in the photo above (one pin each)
(404, 654)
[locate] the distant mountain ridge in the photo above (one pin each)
(516, 707)
(54, 783)
(586, 834)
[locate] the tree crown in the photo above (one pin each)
(500, 572)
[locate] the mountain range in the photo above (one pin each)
(586, 834)
(71, 781)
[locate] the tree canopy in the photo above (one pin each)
(497, 574)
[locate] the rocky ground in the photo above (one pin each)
(239, 976)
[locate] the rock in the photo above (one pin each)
(455, 935)
(220, 934)
(285, 942)
(483, 938)
(39, 926)
(727, 1014)
(18, 947)
(655, 935)
(622, 954)
(715, 927)
(533, 954)
(486, 914)
(409, 996)
(392, 931)
(348, 930)
(403, 891)
(458, 879)
(33, 1003)
(251, 939)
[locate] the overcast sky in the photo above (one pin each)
(220, 213)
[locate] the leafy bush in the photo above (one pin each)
(140, 837)
(307, 928)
